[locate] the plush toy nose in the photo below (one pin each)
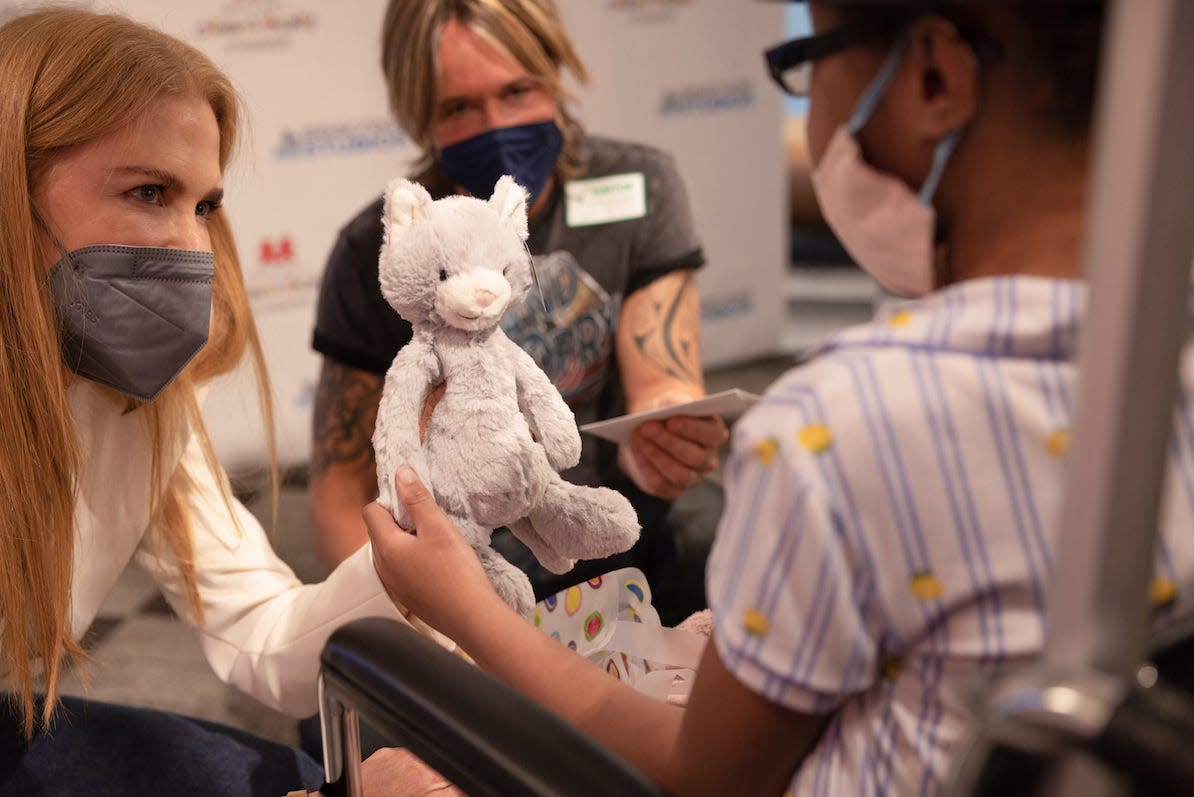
(484, 296)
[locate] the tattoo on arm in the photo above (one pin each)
(666, 328)
(345, 414)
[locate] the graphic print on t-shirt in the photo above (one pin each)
(573, 343)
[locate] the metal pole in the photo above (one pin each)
(340, 728)
(1140, 237)
(351, 733)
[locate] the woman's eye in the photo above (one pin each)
(206, 208)
(149, 194)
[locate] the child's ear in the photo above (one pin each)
(510, 201)
(406, 202)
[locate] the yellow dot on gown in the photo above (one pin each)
(901, 319)
(816, 437)
(925, 586)
(766, 450)
(1058, 443)
(755, 622)
(572, 599)
(1162, 592)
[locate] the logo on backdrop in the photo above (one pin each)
(257, 24)
(276, 252)
(707, 98)
(346, 138)
(278, 278)
(648, 10)
(726, 306)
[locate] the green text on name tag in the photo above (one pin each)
(604, 200)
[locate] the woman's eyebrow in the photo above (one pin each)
(167, 180)
(164, 178)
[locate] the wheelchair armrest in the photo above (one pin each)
(475, 730)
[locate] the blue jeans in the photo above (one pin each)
(98, 749)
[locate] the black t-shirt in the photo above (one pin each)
(600, 237)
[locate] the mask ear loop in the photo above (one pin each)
(945, 148)
(870, 100)
(62, 253)
(874, 92)
(64, 258)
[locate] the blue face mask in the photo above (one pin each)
(132, 317)
(526, 152)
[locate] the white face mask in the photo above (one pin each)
(886, 228)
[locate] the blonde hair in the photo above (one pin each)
(528, 31)
(69, 77)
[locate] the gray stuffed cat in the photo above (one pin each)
(501, 432)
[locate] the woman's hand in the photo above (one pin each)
(430, 570)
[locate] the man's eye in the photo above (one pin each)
(519, 90)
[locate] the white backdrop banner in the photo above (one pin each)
(685, 75)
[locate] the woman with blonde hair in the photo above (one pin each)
(120, 296)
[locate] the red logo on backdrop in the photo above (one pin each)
(276, 252)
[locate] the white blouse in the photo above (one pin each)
(263, 629)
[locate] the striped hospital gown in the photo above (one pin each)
(890, 522)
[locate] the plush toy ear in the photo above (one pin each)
(510, 201)
(406, 202)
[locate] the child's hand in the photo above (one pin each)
(396, 772)
(431, 571)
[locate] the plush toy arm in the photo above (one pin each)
(414, 372)
(549, 417)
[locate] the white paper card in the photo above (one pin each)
(727, 403)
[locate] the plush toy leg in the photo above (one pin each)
(544, 552)
(584, 522)
(510, 583)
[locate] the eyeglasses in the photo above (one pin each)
(791, 63)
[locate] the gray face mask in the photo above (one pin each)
(132, 317)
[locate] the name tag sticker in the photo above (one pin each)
(604, 200)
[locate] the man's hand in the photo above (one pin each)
(666, 457)
(659, 357)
